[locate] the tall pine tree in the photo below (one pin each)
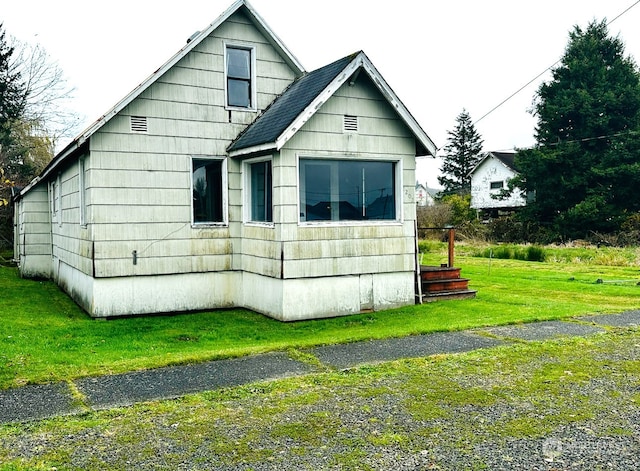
(462, 152)
(585, 169)
(11, 92)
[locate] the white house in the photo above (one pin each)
(423, 197)
(489, 177)
(233, 177)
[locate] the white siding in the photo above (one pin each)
(141, 182)
(324, 250)
(492, 170)
(33, 233)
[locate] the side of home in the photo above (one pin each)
(150, 210)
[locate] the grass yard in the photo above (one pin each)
(45, 337)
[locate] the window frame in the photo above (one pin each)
(82, 192)
(252, 79)
(398, 196)
(225, 192)
(493, 185)
(247, 216)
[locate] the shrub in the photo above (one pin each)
(531, 253)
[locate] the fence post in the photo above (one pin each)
(452, 237)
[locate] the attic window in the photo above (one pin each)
(139, 124)
(497, 185)
(350, 123)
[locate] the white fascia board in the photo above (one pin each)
(394, 101)
(477, 166)
(321, 99)
(360, 61)
(197, 39)
(263, 148)
(274, 39)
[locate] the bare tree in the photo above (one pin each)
(47, 95)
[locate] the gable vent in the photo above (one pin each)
(350, 123)
(139, 124)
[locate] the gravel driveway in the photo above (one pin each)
(569, 404)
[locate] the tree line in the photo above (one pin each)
(34, 116)
(584, 169)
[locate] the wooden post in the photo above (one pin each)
(452, 237)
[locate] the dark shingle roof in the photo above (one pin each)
(288, 106)
(507, 158)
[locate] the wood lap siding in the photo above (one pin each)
(358, 248)
(143, 200)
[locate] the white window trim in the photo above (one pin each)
(246, 199)
(57, 200)
(225, 192)
(254, 94)
(82, 197)
(372, 222)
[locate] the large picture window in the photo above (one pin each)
(239, 75)
(347, 190)
(260, 192)
(207, 189)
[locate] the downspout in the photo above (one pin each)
(417, 262)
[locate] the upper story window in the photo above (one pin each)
(240, 77)
(497, 185)
(348, 190)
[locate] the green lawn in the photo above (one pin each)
(45, 337)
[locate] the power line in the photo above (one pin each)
(544, 71)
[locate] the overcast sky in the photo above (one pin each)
(438, 56)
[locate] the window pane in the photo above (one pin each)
(347, 190)
(207, 191)
(261, 203)
(239, 63)
(239, 93)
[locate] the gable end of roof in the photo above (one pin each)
(302, 99)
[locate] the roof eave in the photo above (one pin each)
(362, 61)
(255, 150)
(423, 139)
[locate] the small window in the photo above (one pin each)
(139, 124)
(240, 77)
(207, 190)
(347, 190)
(497, 185)
(260, 192)
(350, 123)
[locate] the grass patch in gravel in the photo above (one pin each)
(463, 411)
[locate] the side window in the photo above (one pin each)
(240, 77)
(207, 180)
(260, 203)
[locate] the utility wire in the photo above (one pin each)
(544, 71)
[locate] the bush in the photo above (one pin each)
(531, 253)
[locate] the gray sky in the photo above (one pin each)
(438, 56)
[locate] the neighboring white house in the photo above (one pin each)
(423, 197)
(233, 177)
(489, 178)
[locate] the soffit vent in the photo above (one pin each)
(139, 124)
(350, 123)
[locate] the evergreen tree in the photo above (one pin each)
(462, 153)
(11, 92)
(585, 169)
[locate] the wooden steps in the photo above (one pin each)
(443, 283)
